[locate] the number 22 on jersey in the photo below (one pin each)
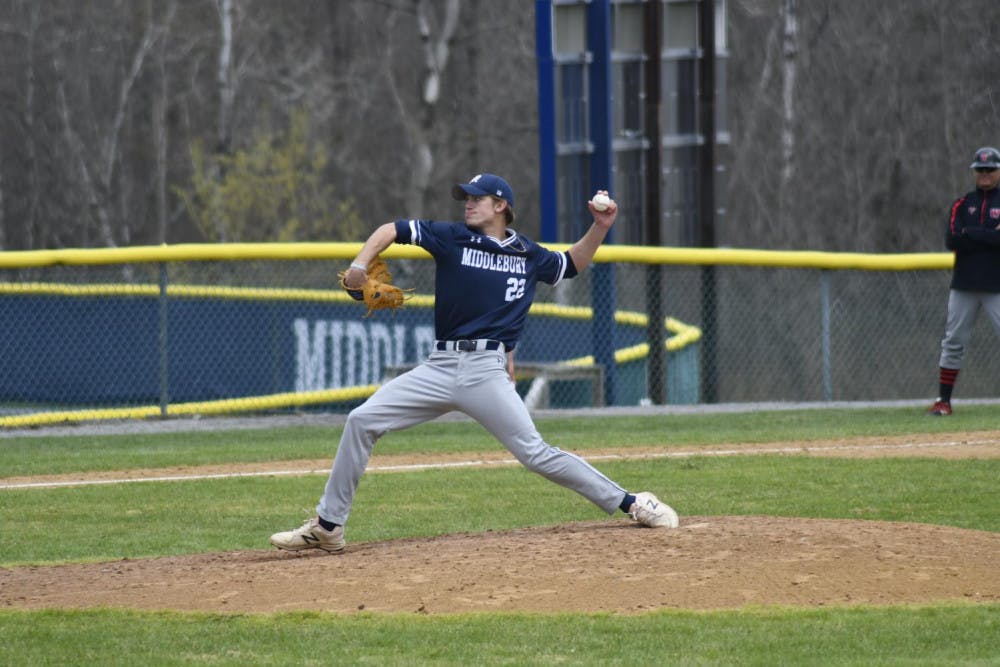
(515, 289)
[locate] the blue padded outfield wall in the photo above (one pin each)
(106, 350)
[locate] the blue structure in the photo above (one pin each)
(576, 145)
(591, 57)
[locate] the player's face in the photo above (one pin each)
(987, 180)
(479, 211)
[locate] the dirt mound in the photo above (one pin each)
(612, 566)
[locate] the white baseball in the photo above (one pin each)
(601, 202)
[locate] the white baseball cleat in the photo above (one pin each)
(649, 511)
(310, 535)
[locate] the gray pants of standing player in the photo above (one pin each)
(477, 384)
(963, 310)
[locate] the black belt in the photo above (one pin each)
(468, 345)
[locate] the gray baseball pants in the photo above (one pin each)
(477, 384)
(963, 310)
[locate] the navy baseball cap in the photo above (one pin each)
(485, 185)
(987, 157)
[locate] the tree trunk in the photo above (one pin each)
(437, 49)
(227, 88)
(790, 50)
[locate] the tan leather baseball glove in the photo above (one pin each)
(377, 292)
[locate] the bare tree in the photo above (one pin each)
(106, 98)
(93, 140)
(887, 101)
(161, 140)
(23, 33)
(227, 85)
(418, 115)
(789, 52)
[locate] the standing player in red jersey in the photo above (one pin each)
(974, 235)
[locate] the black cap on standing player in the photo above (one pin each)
(986, 157)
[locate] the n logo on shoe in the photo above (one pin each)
(307, 538)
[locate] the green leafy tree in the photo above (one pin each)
(275, 190)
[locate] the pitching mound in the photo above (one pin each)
(611, 566)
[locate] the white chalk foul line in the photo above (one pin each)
(259, 473)
(413, 467)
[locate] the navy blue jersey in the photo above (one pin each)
(483, 287)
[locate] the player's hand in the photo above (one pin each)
(372, 283)
(604, 218)
(353, 282)
(355, 278)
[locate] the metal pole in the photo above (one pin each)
(824, 282)
(601, 176)
(706, 198)
(656, 370)
(547, 181)
(164, 359)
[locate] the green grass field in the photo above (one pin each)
(107, 522)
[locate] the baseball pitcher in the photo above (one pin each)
(485, 278)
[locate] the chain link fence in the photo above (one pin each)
(154, 339)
